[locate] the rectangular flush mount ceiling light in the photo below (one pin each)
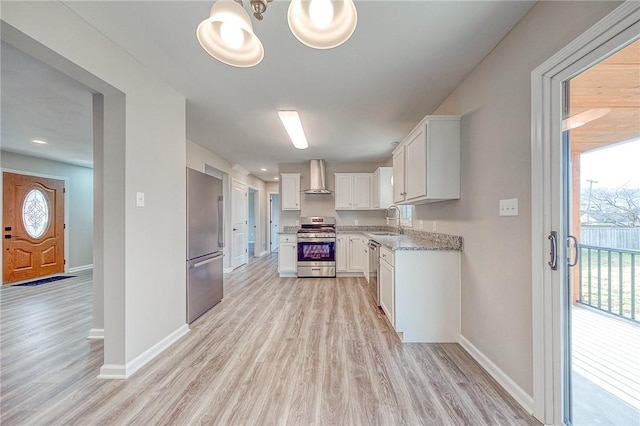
(291, 122)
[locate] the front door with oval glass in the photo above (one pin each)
(33, 216)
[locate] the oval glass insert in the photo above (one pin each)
(35, 213)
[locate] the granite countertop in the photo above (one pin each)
(409, 239)
(412, 242)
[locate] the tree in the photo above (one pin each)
(614, 206)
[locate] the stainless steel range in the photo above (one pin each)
(317, 247)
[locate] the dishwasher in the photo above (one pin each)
(374, 268)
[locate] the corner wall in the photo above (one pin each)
(495, 101)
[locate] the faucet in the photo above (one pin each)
(391, 207)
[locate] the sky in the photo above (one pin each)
(612, 166)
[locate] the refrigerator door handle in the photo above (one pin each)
(204, 262)
(221, 221)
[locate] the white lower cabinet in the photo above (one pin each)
(287, 256)
(356, 253)
(366, 260)
(386, 277)
(342, 253)
(350, 253)
(420, 293)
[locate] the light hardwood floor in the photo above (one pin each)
(274, 351)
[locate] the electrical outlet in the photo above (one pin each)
(139, 199)
(435, 226)
(508, 207)
(297, 223)
(355, 222)
(421, 224)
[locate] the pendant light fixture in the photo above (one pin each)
(322, 24)
(228, 35)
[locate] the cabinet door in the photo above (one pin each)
(367, 267)
(416, 165)
(287, 258)
(342, 253)
(387, 291)
(290, 198)
(375, 190)
(356, 253)
(398, 176)
(344, 192)
(361, 191)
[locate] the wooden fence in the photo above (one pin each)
(612, 237)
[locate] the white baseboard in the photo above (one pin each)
(500, 376)
(80, 268)
(264, 253)
(113, 371)
(227, 270)
(96, 334)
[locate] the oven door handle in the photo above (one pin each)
(316, 240)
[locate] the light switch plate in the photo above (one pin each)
(355, 222)
(139, 199)
(508, 207)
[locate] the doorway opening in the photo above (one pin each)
(602, 214)
(274, 220)
(253, 221)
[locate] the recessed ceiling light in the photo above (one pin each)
(263, 169)
(38, 141)
(293, 125)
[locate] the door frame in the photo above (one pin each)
(258, 237)
(270, 219)
(66, 205)
(614, 31)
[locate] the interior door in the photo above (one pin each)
(275, 218)
(239, 209)
(33, 216)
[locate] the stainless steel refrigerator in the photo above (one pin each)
(205, 241)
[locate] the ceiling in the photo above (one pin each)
(612, 84)
(403, 60)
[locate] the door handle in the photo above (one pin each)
(235, 229)
(576, 248)
(553, 240)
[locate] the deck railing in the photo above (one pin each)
(608, 278)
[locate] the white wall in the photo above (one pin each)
(144, 151)
(80, 207)
(324, 204)
(495, 101)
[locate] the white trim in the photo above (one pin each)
(264, 253)
(592, 46)
(80, 268)
(96, 334)
(227, 270)
(522, 397)
(67, 206)
(112, 371)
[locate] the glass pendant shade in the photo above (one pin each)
(322, 24)
(228, 35)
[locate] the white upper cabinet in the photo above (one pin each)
(290, 194)
(426, 165)
(382, 188)
(353, 191)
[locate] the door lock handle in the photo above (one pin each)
(7, 237)
(576, 248)
(553, 239)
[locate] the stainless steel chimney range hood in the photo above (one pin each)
(317, 179)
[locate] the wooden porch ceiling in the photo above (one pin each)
(614, 84)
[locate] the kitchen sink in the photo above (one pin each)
(386, 234)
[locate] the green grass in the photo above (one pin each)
(616, 269)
